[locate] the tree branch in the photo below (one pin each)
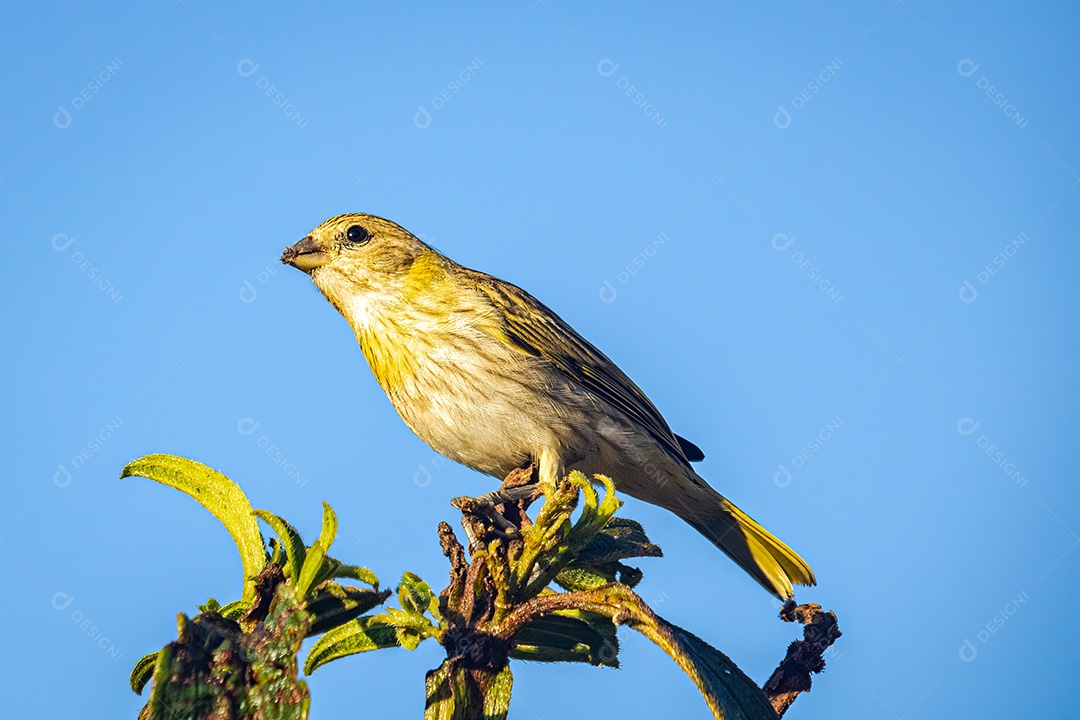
(804, 657)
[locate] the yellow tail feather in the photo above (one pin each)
(757, 551)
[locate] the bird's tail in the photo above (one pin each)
(757, 551)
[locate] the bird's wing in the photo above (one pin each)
(692, 452)
(534, 329)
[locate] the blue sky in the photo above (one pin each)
(831, 242)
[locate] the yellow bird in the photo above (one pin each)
(488, 376)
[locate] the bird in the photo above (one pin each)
(490, 377)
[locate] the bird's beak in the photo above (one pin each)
(305, 255)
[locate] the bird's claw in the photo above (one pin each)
(485, 505)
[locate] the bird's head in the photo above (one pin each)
(363, 263)
(364, 246)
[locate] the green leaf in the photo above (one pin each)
(415, 595)
(583, 578)
(236, 609)
(730, 693)
(497, 697)
(318, 566)
(277, 555)
(309, 572)
(329, 526)
(444, 690)
(727, 690)
(290, 539)
(408, 638)
(334, 605)
(596, 512)
(211, 605)
(410, 622)
(218, 494)
(569, 636)
(452, 691)
(355, 572)
(619, 539)
(629, 576)
(158, 704)
(590, 577)
(552, 518)
(143, 671)
(360, 635)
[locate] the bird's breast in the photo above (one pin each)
(470, 396)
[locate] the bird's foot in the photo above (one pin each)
(487, 506)
(502, 512)
(510, 495)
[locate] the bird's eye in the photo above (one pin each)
(357, 234)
